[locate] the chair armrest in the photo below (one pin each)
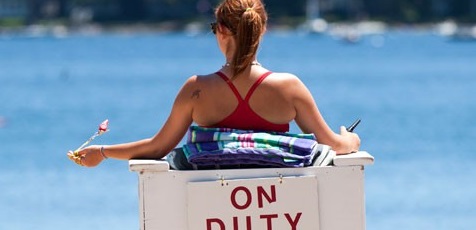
(141, 165)
(358, 158)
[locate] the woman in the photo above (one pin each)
(241, 95)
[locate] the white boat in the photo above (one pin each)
(353, 32)
(329, 197)
(314, 23)
(465, 34)
(457, 32)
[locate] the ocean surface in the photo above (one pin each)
(413, 90)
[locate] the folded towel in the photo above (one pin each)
(224, 146)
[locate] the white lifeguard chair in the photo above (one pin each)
(312, 198)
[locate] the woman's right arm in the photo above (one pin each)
(310, 120)
(158, 146)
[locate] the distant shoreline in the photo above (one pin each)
(343, 29)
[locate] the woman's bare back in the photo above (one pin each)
(214, 100)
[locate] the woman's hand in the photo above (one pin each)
(88, 157)
(351, 140)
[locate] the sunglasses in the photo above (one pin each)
(213, 27)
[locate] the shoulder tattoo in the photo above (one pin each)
(196, 93)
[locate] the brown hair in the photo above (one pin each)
(246, 19)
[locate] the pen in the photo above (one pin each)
(352, 127)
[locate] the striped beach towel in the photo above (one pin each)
(232, 147)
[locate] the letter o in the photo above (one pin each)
(248, 198)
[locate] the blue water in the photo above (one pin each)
(413, 90)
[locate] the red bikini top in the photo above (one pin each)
(243, 117)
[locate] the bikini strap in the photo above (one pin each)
(252, 89)
(256, 84)
(230, 84)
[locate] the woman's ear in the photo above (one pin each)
(220, 33)
(223, 30)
